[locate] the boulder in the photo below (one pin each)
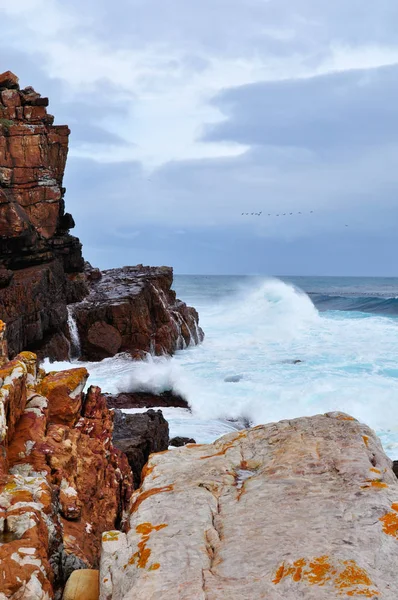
(177, 442)
(138, 436)
(134, 310)
(146, 400)
(63, 391)
(306, 508)
(82, 585)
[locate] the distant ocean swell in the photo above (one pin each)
(367, 304)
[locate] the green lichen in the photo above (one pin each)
(6, 123)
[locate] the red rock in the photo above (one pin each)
(9, 80)
(104, 338)
(139, 303)
(68, 482)
(33, 230)
(64, 393)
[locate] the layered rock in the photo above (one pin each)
(62, 481)
(41, 265)
(134, 310)
(298, 509)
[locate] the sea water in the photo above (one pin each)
(344, 332)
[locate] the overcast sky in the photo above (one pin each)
(184, 114)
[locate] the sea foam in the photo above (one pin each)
(349, 362)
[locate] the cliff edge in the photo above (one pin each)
(41, 264)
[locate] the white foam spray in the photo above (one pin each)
(349, 362)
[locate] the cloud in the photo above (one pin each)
(184, 114)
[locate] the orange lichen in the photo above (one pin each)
(321, 571)
(395, 506)
(226, 446)
(110, 536)
(147, 528)
(390, 523)
(365, 593)
(279, 575)
(343, 417)
(317, 573)
(375, 470)
(375, 483)
(345, 578)
(352, 575)
(144, 495)
(366, 440)
(105, 580)
(71, 379)
(141, 557)
(146, 471)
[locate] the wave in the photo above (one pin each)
(269, 354)
(366, 304)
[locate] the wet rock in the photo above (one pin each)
(233, 378)
(305, 508)
(104, 340)
(295, 361)
(138, 436)
(146, 400)
(139, 304)
(177, 442)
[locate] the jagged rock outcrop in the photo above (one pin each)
(62, 481)
(306, 509)
(138, 436)
(146, 400)
(134, 310)
(41, 265)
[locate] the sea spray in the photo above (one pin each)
(348, 362)
(75, 349)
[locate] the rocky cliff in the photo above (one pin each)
(41, 264)
(62, 481)
(298, 509)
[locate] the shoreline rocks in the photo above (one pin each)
(62, 481)
(134, 309)
(306, 508)
(138, 436)
(146, 400)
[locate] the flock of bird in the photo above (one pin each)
(258, 214)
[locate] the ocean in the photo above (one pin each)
(276, 348)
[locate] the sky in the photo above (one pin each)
(186, 114)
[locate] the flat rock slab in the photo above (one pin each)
(301, 509)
